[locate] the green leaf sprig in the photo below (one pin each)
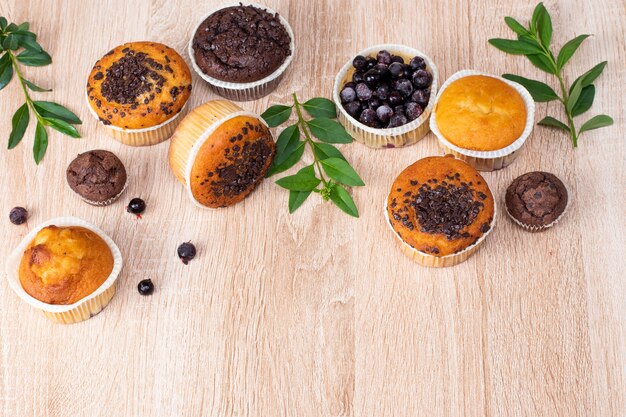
(13, 38)
(330, 172)
(534, 42)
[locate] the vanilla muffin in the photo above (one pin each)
(63, 265)
(137, 87)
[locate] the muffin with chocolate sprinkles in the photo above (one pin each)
(137, 90)
(441, 209)
(536, 200)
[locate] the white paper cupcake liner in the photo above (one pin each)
(83, 308)
(486, 160)
(396, 137)
(146, 136)
(539, 228)
(244, 91)
(426, 259)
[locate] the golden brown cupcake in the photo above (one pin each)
(221, 153)
(480, 113)
(440, 207)
(137, 87)
(63, 265)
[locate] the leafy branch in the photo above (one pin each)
(534, 43)
(330, 171)
(13, 38)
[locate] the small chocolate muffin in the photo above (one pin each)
(536, 200)
(241, 44)
(98, 176)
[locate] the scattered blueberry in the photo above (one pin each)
(186, 252)
(347, 94)
(18, 215)
(413, 111)
(136, 206)
(145, 287)
(422, 79)
(363, 92)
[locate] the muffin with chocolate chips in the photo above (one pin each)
(97, 176)
(242, 51)
(221, 153)
(137, 91)
(536, 200)
(441, 209)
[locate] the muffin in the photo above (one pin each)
(221, 153)
(536, 200)
(441, 209)
(65, 267)
(482, 119)
(137, 91)
(242, 51)
(97, 176)
(385, 95)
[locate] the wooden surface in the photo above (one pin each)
(316, 313)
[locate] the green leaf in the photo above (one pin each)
(552, 122)
(34, 59)
(585, 100)
(288, 159)
(296, 198)
(539, 91)
(41, 143)
(541, 62)
(23, 26)
(62, 126)
(343, 200)
(325, 151)
(31, 44)
(320, 107)
(515, 47)
(535, 18)
(35, 87)
(329, 131)
(56, 111)
(302, 181)
(516, 26)
(577, 88)
(6, 70)
(3, 23)
(341, 171)
(276, 115)
(12, 27)
(19, 123)
(567, 51)
(11, 42)
(590, 76)
(289, 135)
(543, 25)
(596, 122)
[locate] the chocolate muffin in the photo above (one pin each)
(536, 200)
(241, 44)
(98, 176)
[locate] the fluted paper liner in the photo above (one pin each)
(486, 160)
(84, 308)
(396, 137)
(244, 91)
(433, 261)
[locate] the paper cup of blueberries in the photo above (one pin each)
(482, 119)
(384, 95)
(237, 64)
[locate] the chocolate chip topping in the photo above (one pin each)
(536, 198)
(96, 175)
(241, 44)
(130, 77)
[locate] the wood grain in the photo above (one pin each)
(316, 313)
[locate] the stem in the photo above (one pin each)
(29, 101)
(304, 128)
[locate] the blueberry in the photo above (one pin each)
(399, 109)
(384, 113)
(349, 84)
(397, 58)
(186, 252)
(373, 103)
(372, 77)
(404, 87)
(353, 109)
(370, 62)
(363, 92)
(396, 70)
(384, 57)
(368, 118)
(382, 92)
(421, 97)
(413, 111)
(136, 206)
(395, 99)
(359, 62)
(397, 120)
(357, 77)
(417, 63)
(18, 215)
(422, 79)
(383, 70)
(145, 287)
(347, 94)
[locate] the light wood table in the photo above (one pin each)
(316, 313)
